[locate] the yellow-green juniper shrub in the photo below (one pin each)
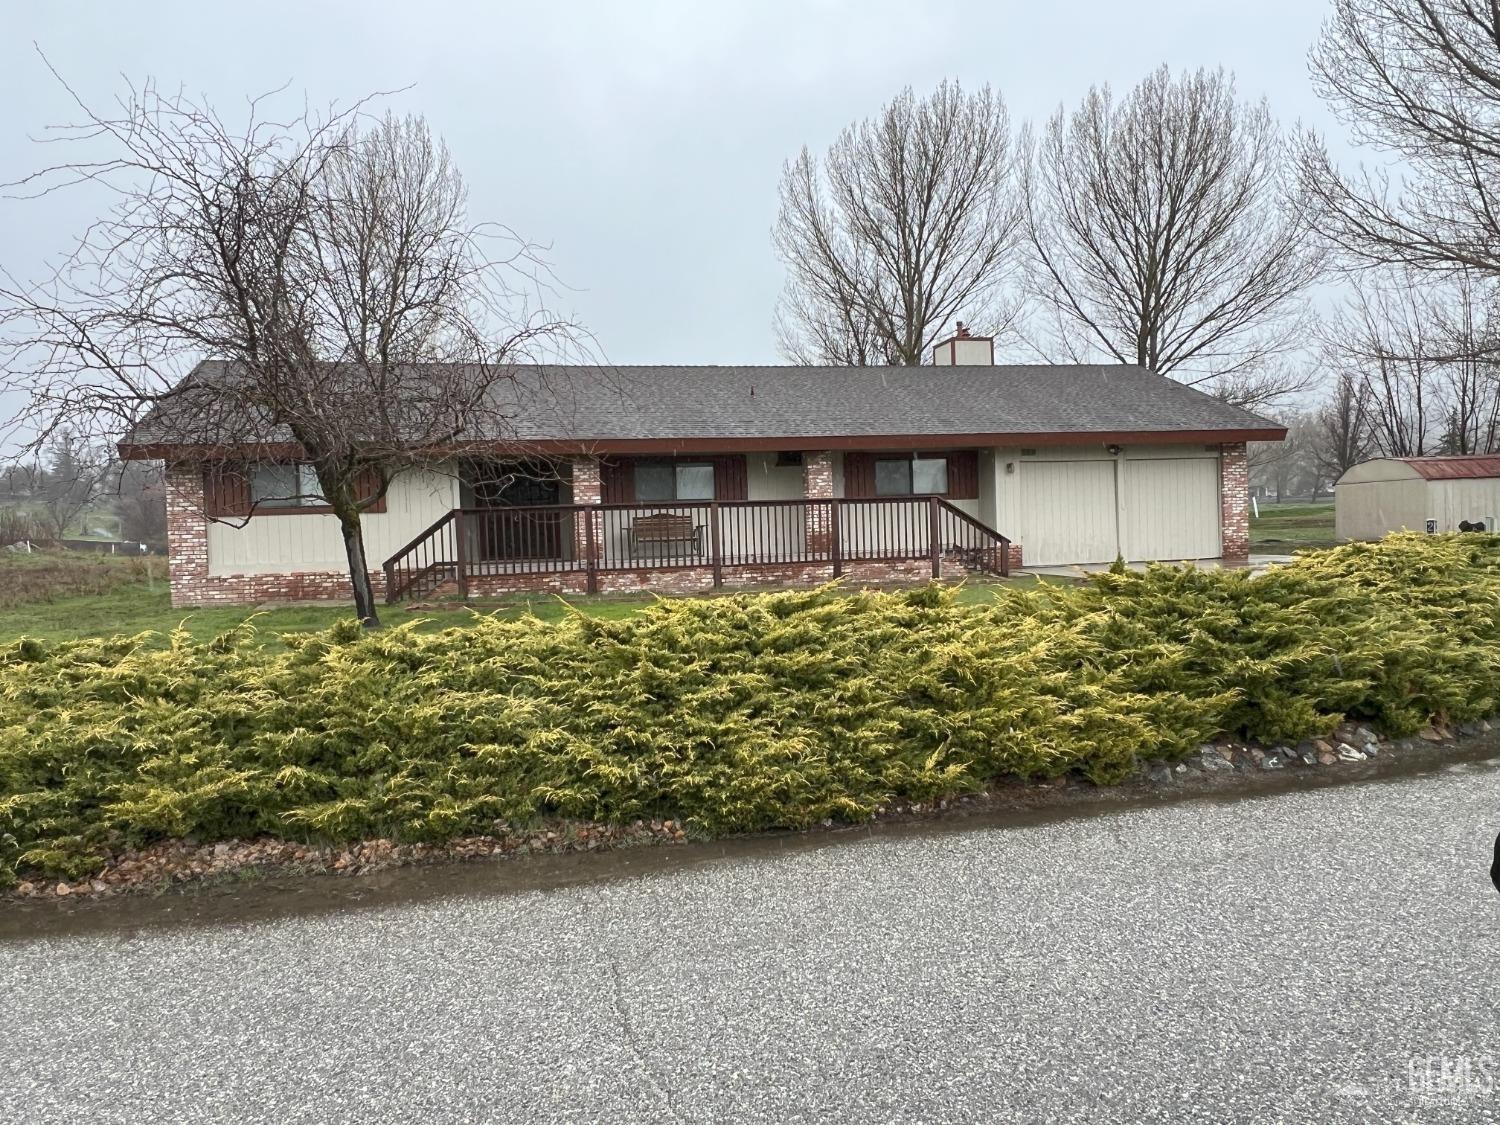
(730, 714)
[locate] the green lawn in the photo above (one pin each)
(1292, 526)
(136, 607)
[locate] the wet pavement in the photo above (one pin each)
(1323, 954)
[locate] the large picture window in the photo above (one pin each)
(285, 486)
(911, 476)
(661, 482)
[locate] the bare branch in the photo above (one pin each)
(907, 223)
(1162, 234)
(326, 262)
(1420, 82)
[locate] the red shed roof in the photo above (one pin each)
(1454, 468)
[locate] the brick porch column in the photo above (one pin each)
(817, 484)
(588, 488)
(1234, 499)
(187, 532)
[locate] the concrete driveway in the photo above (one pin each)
(1329, 955)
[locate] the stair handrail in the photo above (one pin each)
(982, 527)
(389, 566)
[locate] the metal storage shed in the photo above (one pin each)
(1418, 494)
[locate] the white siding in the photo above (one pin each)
(1472, 499)
(985, 506)
(768, 481)
(1171, 508)
(269, 544)
(1368, 510)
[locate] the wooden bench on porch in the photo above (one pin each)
(666, 529)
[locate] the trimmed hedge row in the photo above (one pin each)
(730, 714)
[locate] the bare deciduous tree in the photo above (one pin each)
(1468, 337)
(1385, 336)
(1421, 354)
(139, 496)
(74, 478)
(1293, 467)
(1342, 437)
(1418, 80)
(363, 324)
(1162, 233)
(908, 222)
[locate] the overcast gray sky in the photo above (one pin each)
(642, 141)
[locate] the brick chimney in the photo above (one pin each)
(963, 347)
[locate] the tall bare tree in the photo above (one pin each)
(1416, 357)
(1418, 80)
(1341, 426)
(1163, 232)
(1468, 340)
(908, 222)
(74, 477)
(361, 322)
(1386, 338)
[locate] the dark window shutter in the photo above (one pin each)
(731, 479)
(963, 475)
(226, 491)
(366, 485)
(859, 475)
(617, 481)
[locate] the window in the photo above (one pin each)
(929, 475)
(660, 482)
(285, 486)
(911, 476)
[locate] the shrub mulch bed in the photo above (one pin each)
(185, 864)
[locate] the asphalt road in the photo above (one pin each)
(1329, 955)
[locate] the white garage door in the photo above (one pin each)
(1068, 512)
(1172, 509)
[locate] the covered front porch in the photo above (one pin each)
(689, 522)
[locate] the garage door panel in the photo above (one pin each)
(1068, 512)
(1172, 509)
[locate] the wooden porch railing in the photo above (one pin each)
(594, 538)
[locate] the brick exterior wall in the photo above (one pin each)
(1234, 499)
(817, 484)
(588, 488)
(187, 531)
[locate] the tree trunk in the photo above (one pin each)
(359, 573)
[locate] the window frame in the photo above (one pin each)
(303, 474)
(675, 466)
(246, 506)
(909, 461)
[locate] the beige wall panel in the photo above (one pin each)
(289, 543)
(1171, 508)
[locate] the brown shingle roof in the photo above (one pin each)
(799, 407)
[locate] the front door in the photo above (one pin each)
(510, 526)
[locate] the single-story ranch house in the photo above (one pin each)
(684, 478)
